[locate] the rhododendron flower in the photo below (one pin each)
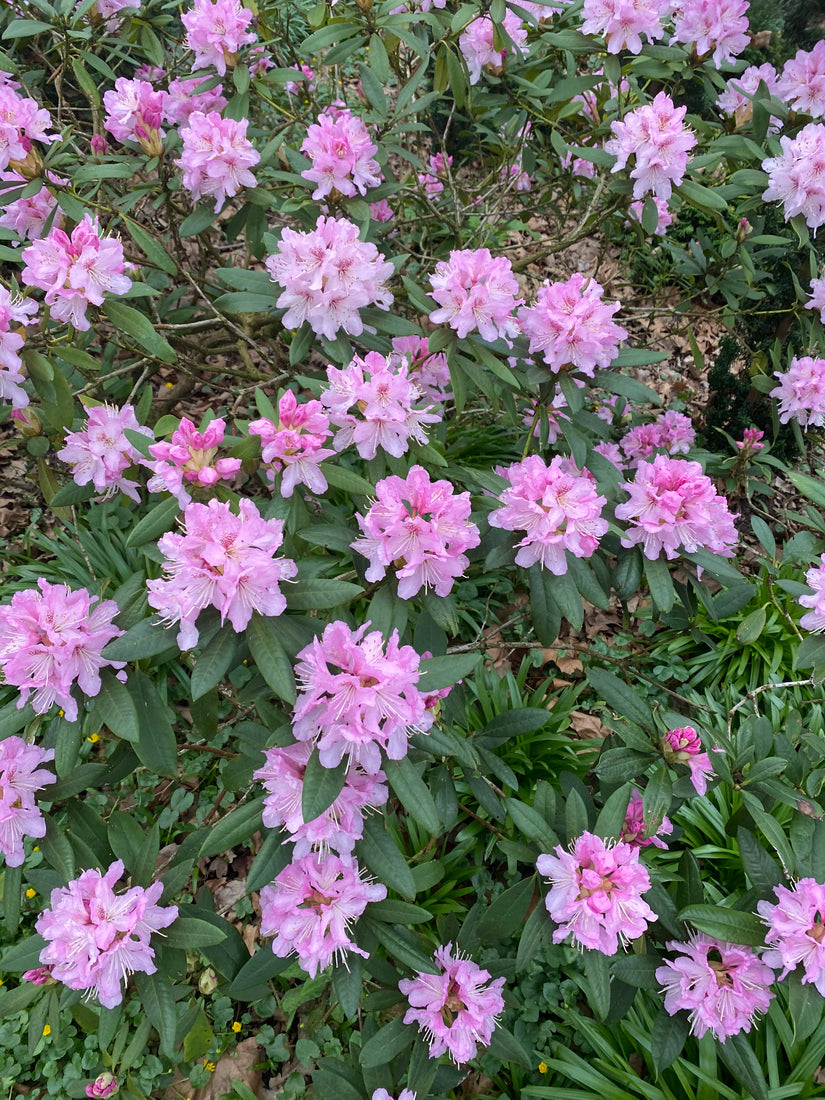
(596, 893)
(381, 211)
(750, 441)
(22, 122)
(572, 327)
(28, 217)
(734, 102)
(328, 275)
(221, 560)
(457, 1008)
(385, 401)
(96, 937)
(404, 1094)
(294, 446)
(478, 49)
(721, 985)
(103, 1086)
(216, 157)
(216, 30)
(293, 87)
(684, 746)
(817, 299)
(612, 452)
(342, 153)
(795, 931)
(664, 218)
(419, 527)
(14, 312)
(640, 833)
(674, 505)
(796, 178)
(340, 825)
(622, 22)
(76, 271)
(430, 373)
(672, 432)
(310, 905)
(51, 640)
(184, 99)
(559, 508)
(552, 413)
(21, 775)
(476, 292)
(657, 136)
(802, 83)
(720, 26)
(189, 459)
(801, 391)
(101, 453)
(107, 8)
(356, 698)
(815, 618)
(432, 179)
(134, 111)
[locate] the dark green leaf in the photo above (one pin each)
(388, 1041)
(156, 745)
(189, 932)
(146, 639)
(321, 786)
(413, 793)
(737, 1053)
(137, 325)
(730, 925)
(507, 912)
(155, 523)
(346, 985)
(668, 1038)
(115, 708)
(214, 661)
(380, 853)
(159, 1005)
(441, 672)
(318, 592)
(236, 827)
(269, 655)
(621, 698)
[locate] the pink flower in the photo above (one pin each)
(581, 169)
(610, 451)
(457, 1009)
(21, 123)
(294, 446)
(640, 833)
(96, 938)
(387, 404)
(684, 746)
(622, 22)
(41, 975)
(664, 218)
(216, 157)
(572, 327)
(596, 893)
(734, 102)
(478, 49)
(99, 146)
(431, 180)
(721, 985)
(815, 618)
(801, 391)
(750, 442)
(28, 217)
(20, 776)
(557, 506)
(216, 30)
(310, 905)
(817, 300)
(672, 432)
(184, 99)
(356, 699)
(674, 505)
(221, 560)
(103, 1086)
(475, 292)
(342, 153)
(381, 211)
(328, 275)
(717, 25)
(535, 412)
(14, 312)
(429, 372)
(339, 826)
(795, 931)
(134, 111)
(802, 83)
(421, 528)
(76, 271)
(101, 453)
(189, 458)
(404, 1094)
(656, 135)
(293, 87)
(51, 640)
(107, 8)
(796, 178)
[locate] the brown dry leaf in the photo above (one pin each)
(586, 725)
(241, 1062)
(567, 666)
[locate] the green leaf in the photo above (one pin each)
(346, 985)
(152, 248)
(811, 652)
(730, 925)
(535, 931)
(126, 838)
(751, 627)
(382, 1047)
(26, 28)
(115, 708)
(140, 328)
(507, 1048)
(660, 584)
(24, 955)
(737, 1053)
(512, 723)
(392, 911)
(214, 661)
(13, 718)
(146, 639)
(413, 793)
(198, 1039)
(16, 1000)
(269, 655)
(251, 980)
(401, 944)
(155, 523)
(321, 786)
(236, 827)
(636, 970)
(621, 698)
(668, 1037)
(597, 972)
(339, 477)
(696, 194)
(507, 912)
(158, 1003)
(71, 494)
(811, 487)
(380, 853)
(530, 822)
(657, 798)
(441, 672)
(156, 746)
(634, 357)
(806, 1006)
(189, 932)
(201, 218)
(58, 851)
(314, 593)
(612, 815)
(273, 855)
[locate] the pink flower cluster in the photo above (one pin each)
(357, 698)
(478, 49)
(572, 327)
(328, 275)
(664, 218)
(683, 745)
(721, 985)
(431, 373)
(559, 508)
(384, 398)
(796, 178)
(422, 529)
(720, 26)
(801, 390)
(216, 157)
(815, 618)
(104, 1085)
(189, 459)
(817, 299)
(476, 292)
(21, 123)
(734, 102)
(134, 112)
(14, 312)
(216, 30)
(342, 153)
(28, 217)
(221, 560)
(183, 99)
(751, 441)
(432, 179)
(622, 22)
(404, 1094)
(310, 905)
(294, 447)
(656, 135)
(672, 432)
(596, 893)
(802, 83)
(96, 938)
(457, 1008)
(795, 931)
(340, 825)
(21, 775)
(640, 833)
(673, 504)
(53, 639)
(76, 271)
(101, 453)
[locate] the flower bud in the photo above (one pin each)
(102, 1087)
(208, 981)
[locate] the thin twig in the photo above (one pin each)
(751, 695)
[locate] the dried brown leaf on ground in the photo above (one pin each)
(242, 1063)
(586, 725)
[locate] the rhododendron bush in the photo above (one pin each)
(405, 688)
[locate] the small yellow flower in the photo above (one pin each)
(61, 712)
(36, 848)
(30, 893)
(209, 1067)
(94, 738)
(542, 1067)
(169, 385)
(236, 1027)
(47, 1030)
